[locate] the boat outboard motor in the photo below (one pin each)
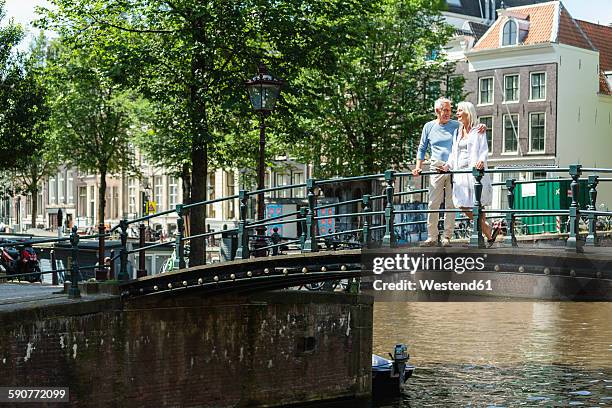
(400, 356)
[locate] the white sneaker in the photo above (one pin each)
(429, 243)
(446, 242)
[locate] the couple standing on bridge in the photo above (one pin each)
(455, 145)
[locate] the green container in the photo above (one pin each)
(555, 195)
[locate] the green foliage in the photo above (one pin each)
(362, 118)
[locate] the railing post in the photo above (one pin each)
(111, 267)
(74, 292)
(476, 239)
(123, 273)
(511, 236)
(303, 211)
(389, 240)
(179, 245)
(367, 239)
(101, 271)
(591, 239)
(573, 241)
(141, 254)
(310, 242)
(54, 280)
(243, 234)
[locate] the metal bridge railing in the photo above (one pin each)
(382, 233)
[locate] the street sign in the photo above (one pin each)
(151, 207)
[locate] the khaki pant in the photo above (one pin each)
(440, 187)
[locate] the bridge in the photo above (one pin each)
(374, 218)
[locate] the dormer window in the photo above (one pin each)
(509, 35)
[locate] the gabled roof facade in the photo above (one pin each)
(550, 22)
(547, 22)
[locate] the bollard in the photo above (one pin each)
(367, 238)
(389, 240)
(310, 241)
(74, 292)
(179, 245)
(54, 280)
(123, 273)
(111, 268)
(101, 270)
(591, 239)
(573, 241)
(243, 233)
(477, 240)
(510, 236)
(142, 271)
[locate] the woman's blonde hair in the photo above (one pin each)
(469, 108)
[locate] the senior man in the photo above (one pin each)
(438, 134)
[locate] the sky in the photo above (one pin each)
(595, 11)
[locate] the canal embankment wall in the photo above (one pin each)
(265, 349)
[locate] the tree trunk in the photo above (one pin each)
(34, 190)
(186, 183)
(197, 215)
(102, 196)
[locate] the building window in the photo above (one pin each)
(60, 188)
(298, 178)
(537, 126)
(92, 202)
(511, 88)
(230, 189)
(538, 86)
(211, 196)
(158, 191)
(132, 197)
(82, 203)
(52, 190)
(485, 96)
(282, 180)
(488, 122)
(509, 33)
(172, 191)
(510, 133)
(70, 187)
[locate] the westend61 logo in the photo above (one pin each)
(412, 264)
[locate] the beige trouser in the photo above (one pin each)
(440, 187)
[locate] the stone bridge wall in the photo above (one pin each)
(260, 350)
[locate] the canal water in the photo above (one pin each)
(500, 354)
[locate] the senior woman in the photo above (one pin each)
(470, 150)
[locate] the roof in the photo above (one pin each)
(478, 30)
(475, 8)
(601, 38)
(548, 22)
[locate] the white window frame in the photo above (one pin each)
(132, 191)
(501, 33)
(480, 103)
(544, 147)
(61, 188)
(172, 191)
(489, 129)
(52, 190)
(70, 186)
(518, 88)
(158, 192)
(518, 131)
(531, 74)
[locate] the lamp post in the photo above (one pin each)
(263, 92)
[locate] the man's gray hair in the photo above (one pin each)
(440, 102)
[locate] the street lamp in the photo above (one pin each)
(263, 92)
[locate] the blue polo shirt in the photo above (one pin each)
(439, 137)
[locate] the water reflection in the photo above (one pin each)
(500, 354)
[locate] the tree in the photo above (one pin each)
(93, 118)
(12, 145)
(191, 58)
(380, 96)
